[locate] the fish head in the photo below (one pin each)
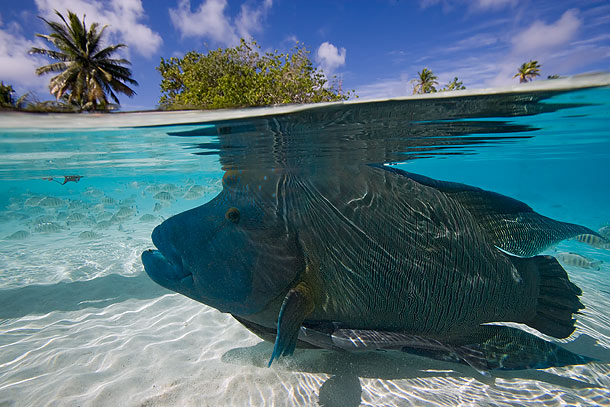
(235, 253)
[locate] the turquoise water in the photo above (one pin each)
(82, 324)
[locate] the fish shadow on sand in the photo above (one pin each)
(588, 346)
(73, 296)
(343, 387)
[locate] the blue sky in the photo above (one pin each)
(375, 47)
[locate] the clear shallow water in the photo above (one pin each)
(82, 324)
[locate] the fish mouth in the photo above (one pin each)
(161, 269)
(164, 265)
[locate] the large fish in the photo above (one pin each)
(374, 249)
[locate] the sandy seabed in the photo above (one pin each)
(158, 348)
(81, 324)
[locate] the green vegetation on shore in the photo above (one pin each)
(426, 83)
(240, 76)
(7, 98)
(528, 71)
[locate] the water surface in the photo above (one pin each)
(82, 324)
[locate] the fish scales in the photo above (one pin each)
(372, 248)
(376, 283)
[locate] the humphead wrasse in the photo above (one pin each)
(373, 250)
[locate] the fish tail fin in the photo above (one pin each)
(557, 297)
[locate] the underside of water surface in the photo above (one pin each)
(81, 323)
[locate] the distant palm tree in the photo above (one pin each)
(6, 95)
(7, 98)
(528, 71)
(425, 83)
(86, 72)
(455, 84)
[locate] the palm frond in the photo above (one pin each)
(50, 53)
(122, 88)
(87, 74)
(56, 28)
(59, 37)
(119, 72)
(78, 30)
(56, 67)
(94, 38)
(110, 91)
(106, 52)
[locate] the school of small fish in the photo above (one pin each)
(88, 212)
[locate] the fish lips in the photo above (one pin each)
(164, 266)
(164, 272)
(174, 277)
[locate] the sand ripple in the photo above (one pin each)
(82, 325)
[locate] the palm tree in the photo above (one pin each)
(455, 84)
(6, 95)
(425, 83)
(528, 71)
(7, 98)
(87, 73)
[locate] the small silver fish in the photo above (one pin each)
(48, 227)
(19, 235)
(163, 196)
(89, 235)
(194, 192)
(51, 202)
(599, 242)
(148, 218)
(578, 260)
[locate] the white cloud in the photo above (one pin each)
(250, 19)
(384, 88)
(329, 57)
(122, 16)
(290, 40)
(494, 4)
(210, 20)
(16, 66)
(477, 5)
(552, 45)
(555, 44)
(474, 71)
(541, 37)
(474, 41)
(447, 5)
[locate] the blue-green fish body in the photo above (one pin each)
(374, 249)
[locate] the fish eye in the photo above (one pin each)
(232, 215)
(230, 178)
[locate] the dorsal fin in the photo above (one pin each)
(512, 225)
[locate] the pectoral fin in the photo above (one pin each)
(297, 304)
